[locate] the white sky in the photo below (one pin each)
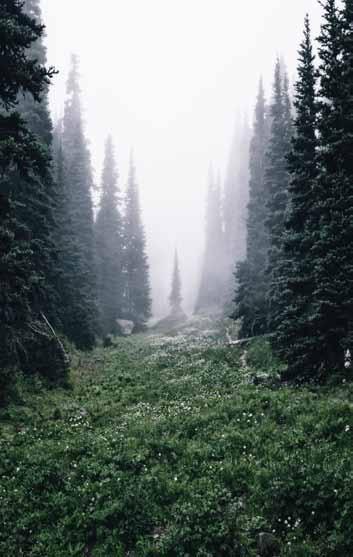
(167, 77)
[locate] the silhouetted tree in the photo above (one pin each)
(251, 281)
(235, 202)
(175, 298)
(276, 184)
(137, 296)
(109, 242)
(80, 312)
(211, 296)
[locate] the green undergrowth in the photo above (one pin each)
(176, 446)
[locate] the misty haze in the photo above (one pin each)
(176, 278)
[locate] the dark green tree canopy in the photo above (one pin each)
(19, 73)
(295, 338)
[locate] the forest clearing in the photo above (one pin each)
(168, 445)
(176, 278)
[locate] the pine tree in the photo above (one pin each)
(236, 199)
(109, 242)
(36, 207)
(211, 296)
(333, 248)
(295, 338)
(37, 114)
(23, 164)
(276, 184)
(175, 298)
(137, 298)
(347, 146)
(66, 244)
(250, 299)
(80, 313)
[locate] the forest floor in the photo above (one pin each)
(177, 445)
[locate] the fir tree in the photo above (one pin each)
(175, 298)
(80, 314)
(250, 299)
(137, 299)
(295, 337)
(23, 165)
(109, 242)
(36, 207)
(211, 296)
(276, 184)
(236, 199)
(333, 248)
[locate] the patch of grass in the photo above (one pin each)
(167, 446)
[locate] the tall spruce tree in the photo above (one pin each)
(24, 164)
(235, 203)
(80, 311)
(175, 298)
(332, 252)
(109, 242)
(36, 207)
(137, 294)
(211, 296)
(250, 299)
(347, 146)
(295, 338)
(276, 184)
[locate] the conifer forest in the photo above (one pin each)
(176, 278)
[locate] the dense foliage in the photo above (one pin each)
(307, 292)
(172, 446)
(26, 197)
(295, 339)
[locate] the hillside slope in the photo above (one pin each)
(175, 446)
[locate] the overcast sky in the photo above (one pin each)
(167, 78)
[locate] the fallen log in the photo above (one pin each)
(243, 341)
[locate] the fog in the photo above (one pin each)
(169, 79)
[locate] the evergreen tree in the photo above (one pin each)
(211, 296)
(295, 337)
(37, 114)
(80, 312)
(23, 165)
(236, 194)
(36, 206)
(109, 242)
(276, 184)
(332, 253)
(137, 299)
(236, 199)
(66, 245)
(175, 298)
(250, 299)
